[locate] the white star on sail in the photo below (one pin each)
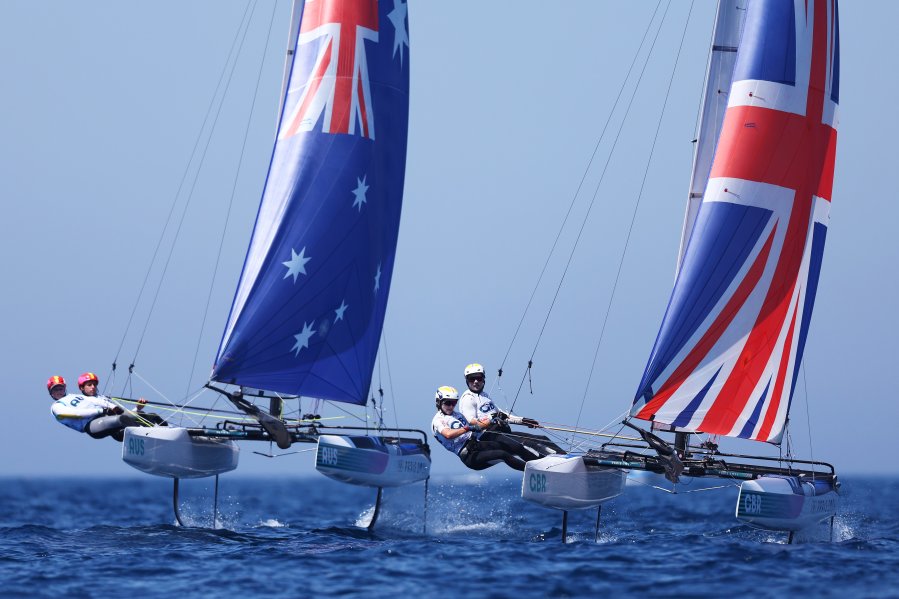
(303, 338)
(378, 278)
(339, 311)
(297, 264)
(398, 17)
(359, 192)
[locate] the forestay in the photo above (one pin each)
(309, 307)
(728, 353)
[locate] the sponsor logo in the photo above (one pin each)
(412, 466)
(135, 446)
(537, 483)
(824, 504)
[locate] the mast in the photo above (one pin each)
(296, 14)
(719, 73)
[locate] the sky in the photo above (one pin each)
(101, 109)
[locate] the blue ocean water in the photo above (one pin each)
(299, 536)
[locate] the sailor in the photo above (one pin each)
(476, 405)
(454, 432)
(90, 413)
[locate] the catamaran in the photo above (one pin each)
(308, 312)
(729, 350)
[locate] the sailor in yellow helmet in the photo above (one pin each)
(454, 432)
(476, 405)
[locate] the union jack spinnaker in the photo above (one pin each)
(730, 346)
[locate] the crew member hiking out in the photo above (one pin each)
(476, 405)
(454, 432)
(91, 413)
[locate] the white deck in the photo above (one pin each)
(170, 451)
(363, 460)
(569, 483)
(785, 503)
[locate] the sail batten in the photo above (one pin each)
(309, 307)
(730, 345)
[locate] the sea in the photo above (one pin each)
(475, 537)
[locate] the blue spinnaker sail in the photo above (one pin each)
(309, 308)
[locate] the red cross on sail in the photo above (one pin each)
(729, 366)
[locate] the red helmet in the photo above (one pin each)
(54, 381)
(86, 378)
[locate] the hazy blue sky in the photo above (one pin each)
(100, 108)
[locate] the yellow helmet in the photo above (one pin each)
(446, 393)
(473, 369)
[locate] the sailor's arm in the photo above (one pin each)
(452, 433)
(528, 422)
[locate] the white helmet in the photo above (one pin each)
(473, 369)
(446, 393)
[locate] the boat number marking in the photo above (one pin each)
(537, 483)
(752, 504)
(135, 446)
(328, 456)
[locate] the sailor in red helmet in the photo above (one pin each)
(89, 412)
(56, 386)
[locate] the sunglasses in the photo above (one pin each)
(449, 402)
(477, 377)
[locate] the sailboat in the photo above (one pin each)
(308, 312)
(729, 349)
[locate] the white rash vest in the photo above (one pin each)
(475, 406)
(75, 411)
(455, 420)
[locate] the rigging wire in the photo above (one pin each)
(596, 190)
(578, 190)
(345, 411)
(192, 188)
(243, 147)
(396, 422)
(808, 416)
(637, 203)
(178, 192)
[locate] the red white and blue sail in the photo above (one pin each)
(729, 350)
(309, 308)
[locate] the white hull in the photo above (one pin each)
(370, 461)
(785, 503)
(170, 451)
(570, 483)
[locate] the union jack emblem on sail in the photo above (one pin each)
(728, 353)
(332, 90)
